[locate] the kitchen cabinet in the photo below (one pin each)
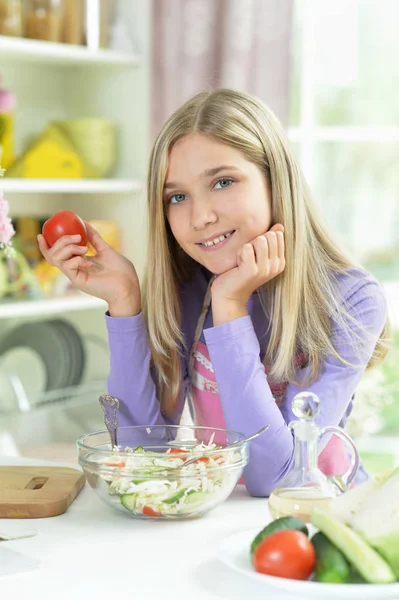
(59, 81)
(56, 81)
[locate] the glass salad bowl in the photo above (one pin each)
(146, 477)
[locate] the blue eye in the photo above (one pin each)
(177, 198)
(224, 183)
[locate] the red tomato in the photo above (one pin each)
(206, 459)
(149, 512)
(177, 451)
(121, 464)
(62, 223)
(286, 554)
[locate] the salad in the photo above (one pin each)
(159, 484)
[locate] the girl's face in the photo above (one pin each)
(216, 200)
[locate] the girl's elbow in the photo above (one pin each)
(260, 484)
(259, 490)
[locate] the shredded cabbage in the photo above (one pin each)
(159, 483)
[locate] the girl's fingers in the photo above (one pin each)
(63, 250)
(43, 247)
(246, 256)
(72, 266)
(280, 245)
(68, 252)
(271, 237)
(95, 238)
(261, 249)
(63, 241)
(277, 227)
(269, 253)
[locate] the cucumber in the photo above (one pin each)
(371, 566)
(176, 497)
(129, 501)
(331, 565)
(194, 497)
(278, 525)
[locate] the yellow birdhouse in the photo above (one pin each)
(51, 156)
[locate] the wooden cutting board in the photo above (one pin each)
(36, 492)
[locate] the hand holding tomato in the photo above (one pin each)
(107, 275)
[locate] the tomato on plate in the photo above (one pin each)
(286, 554)
(62, 223)
(149, 512)
(177, 451)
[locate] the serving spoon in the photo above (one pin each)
(110, 406)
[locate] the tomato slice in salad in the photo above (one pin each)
(120, 464)
(150, 512)
(206, 459)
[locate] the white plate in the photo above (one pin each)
(47, 342)
(235, 553)
(75, 350)
(27, 366)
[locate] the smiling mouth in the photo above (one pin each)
(217, 240)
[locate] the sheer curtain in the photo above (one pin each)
(204, 44)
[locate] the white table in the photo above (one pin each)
(92, 552)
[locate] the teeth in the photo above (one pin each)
(217, 240)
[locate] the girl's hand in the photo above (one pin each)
(107, 275)
(259, 261)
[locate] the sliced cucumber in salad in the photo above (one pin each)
(129, 501)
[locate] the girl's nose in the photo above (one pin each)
(202, 214)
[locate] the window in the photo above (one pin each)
(344, 127)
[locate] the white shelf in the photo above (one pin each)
(62, 54)
(49, 306)
(69, 186)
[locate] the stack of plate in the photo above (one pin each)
(39, 357)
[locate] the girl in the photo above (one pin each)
(248, 300)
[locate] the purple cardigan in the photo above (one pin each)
(244, 391)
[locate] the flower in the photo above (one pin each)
(6, 228)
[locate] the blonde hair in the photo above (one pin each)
(302, 300)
